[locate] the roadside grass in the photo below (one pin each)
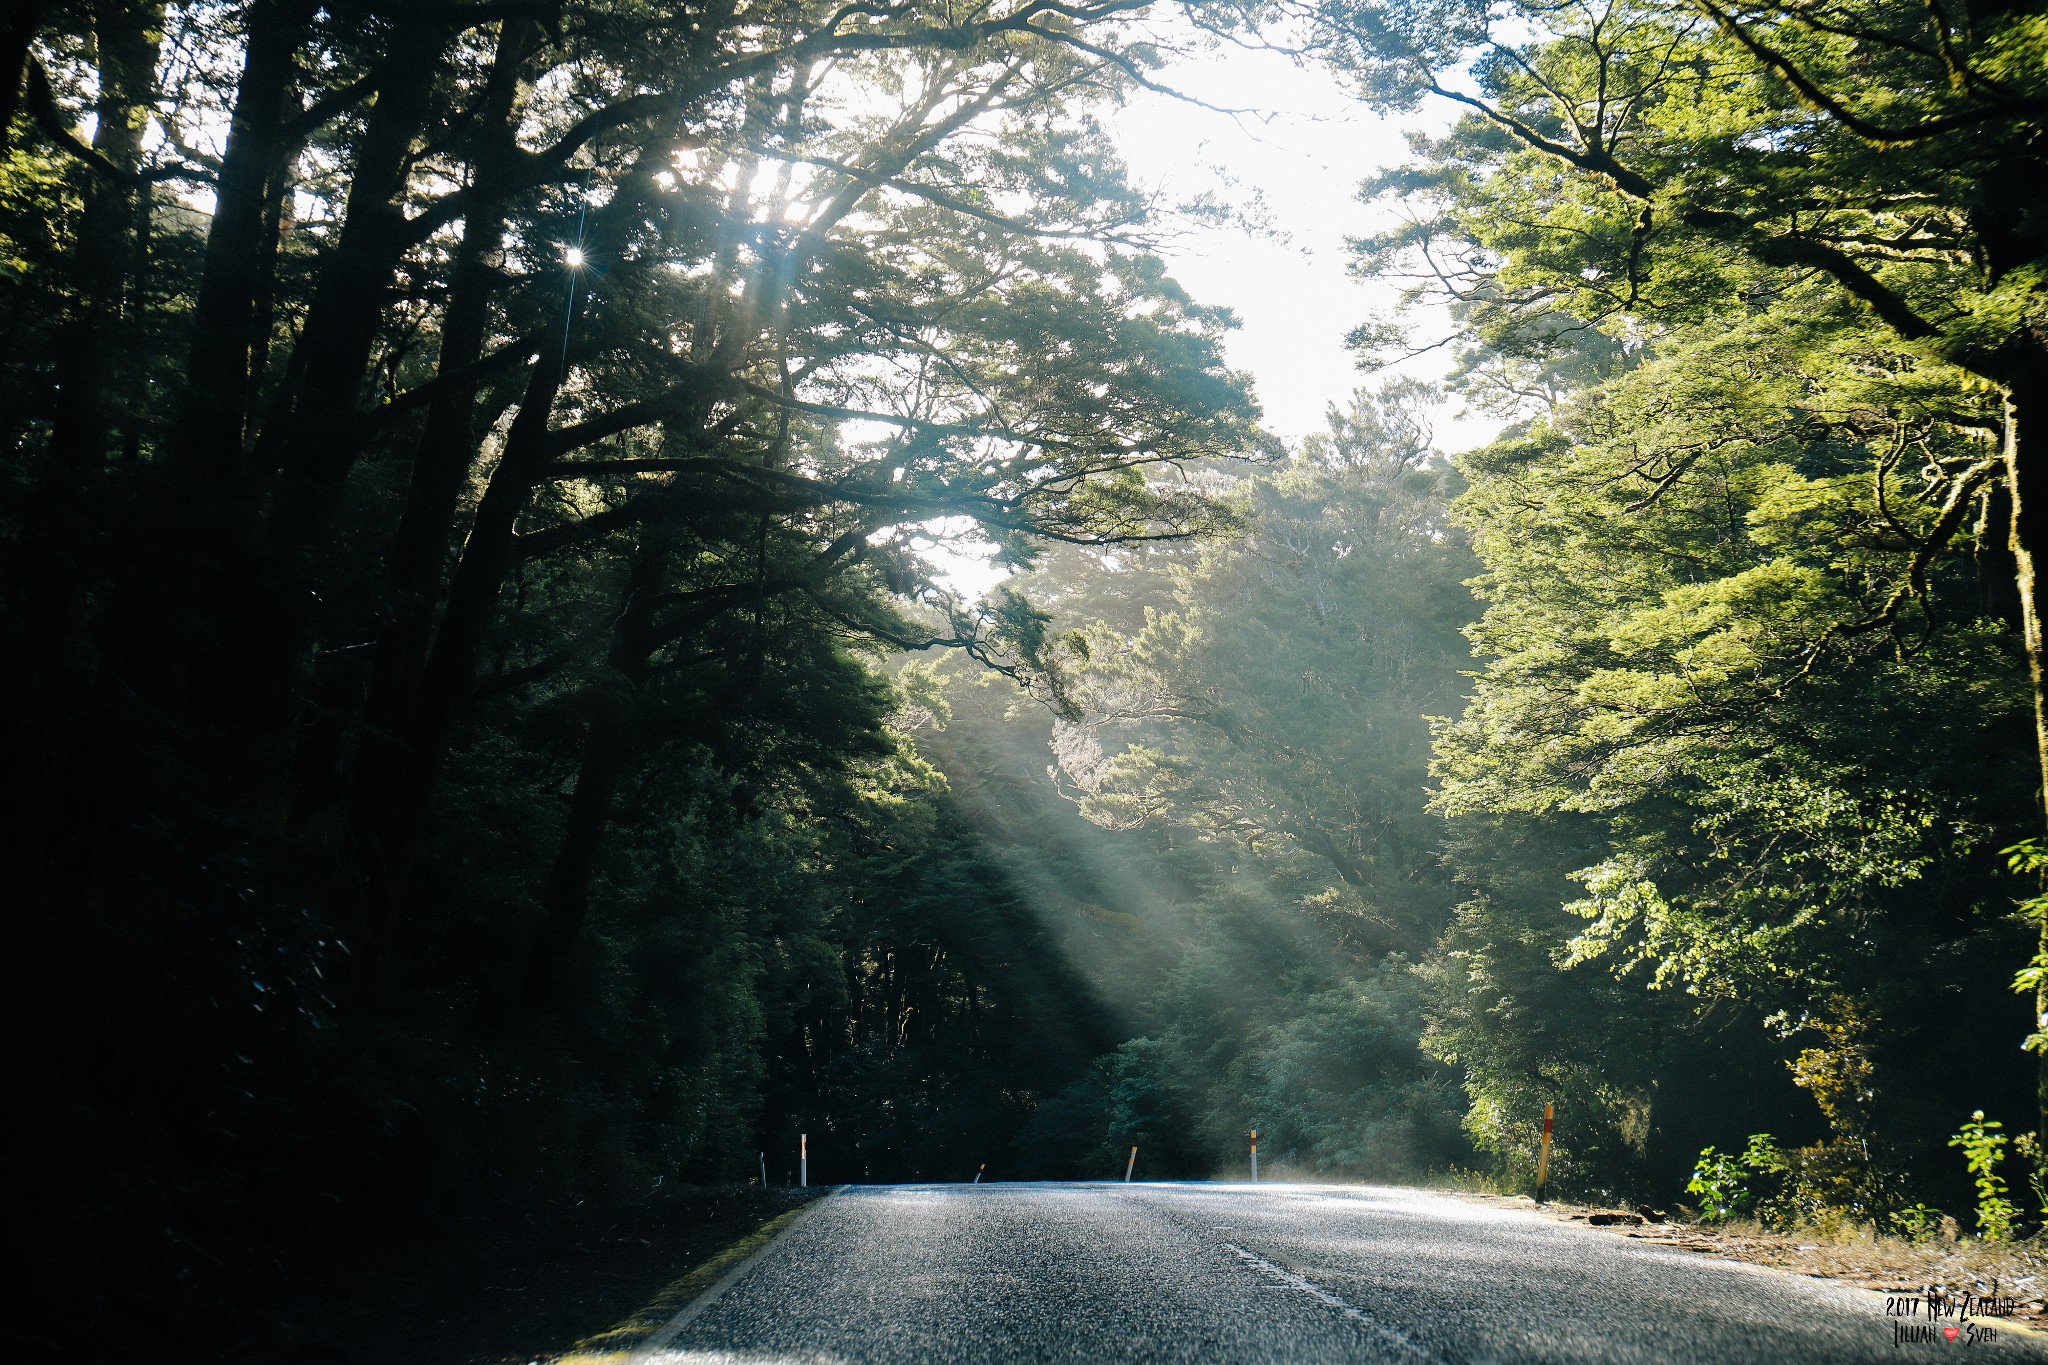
(1856, 1253)
(1458, 1180)
(1839, 1248)
(617, 1343)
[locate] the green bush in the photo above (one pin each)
(1917, 1222)
(1983, 1149)
(1727, 1186)
(1721, 1183)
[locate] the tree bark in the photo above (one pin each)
(17, 31)
(449, 676)
(208, 443)
(2026, 416)
(1997, 580)
(64, 532)
(348, 303)
(2008, 219)
(488, 557)
(127, 34)
(176, 602)
(442, 459)
(332, 357)
(565, 896)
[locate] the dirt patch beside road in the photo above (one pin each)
(1951, 1267)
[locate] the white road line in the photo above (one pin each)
(645, 1352)
(1408, 1347)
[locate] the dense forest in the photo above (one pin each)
(491, 716)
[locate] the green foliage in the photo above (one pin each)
(465, 660)
(1721, 1183)
(1726, 796)
(1279, 705)
(1917, 1222)
(1658, 162)
(1257, 872)
(1337, 1086)
(1747, 551)
(2029, 859)
(1763, 1181)
(2027, 1146)
(1983, 1146)
(1828, 1184)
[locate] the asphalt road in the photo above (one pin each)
(1221, 1273)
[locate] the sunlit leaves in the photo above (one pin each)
(1279, 707)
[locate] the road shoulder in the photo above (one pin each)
(661, 1317)
(539, 1289)
(2016, 1272)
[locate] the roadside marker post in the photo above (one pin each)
(803, 1160)
(977, 1174)
(1130, 1165)
(1543, 1155)
(764, 1170)
(1255, 1156)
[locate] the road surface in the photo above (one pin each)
(1224, 1273)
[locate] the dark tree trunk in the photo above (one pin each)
(277, 219)
(489, 555)
(63, 535)
(178, 598)
(2009, 218)
(348, 304)
(332, 360)
(441, 465)
(127, 34)
(17, 31)
(565, 897)
(1997, 581)
(239, 258)
(2026, 429)
(449, 677)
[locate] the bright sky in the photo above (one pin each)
(1302, 157)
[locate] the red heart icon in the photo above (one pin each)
(1951, 1332)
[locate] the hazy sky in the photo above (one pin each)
(1304, 157)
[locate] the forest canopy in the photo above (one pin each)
(492, 718)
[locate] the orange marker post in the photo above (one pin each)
(1543, 1155)
(1130, 1165)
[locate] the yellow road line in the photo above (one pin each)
(618, 1343)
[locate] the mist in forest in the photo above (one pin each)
(590, 593)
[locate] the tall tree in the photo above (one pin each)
(1282, 703)
(1253, 730)
(1632, 166)
(1748, 844)
(541, 417)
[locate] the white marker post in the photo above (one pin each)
(977, 1174)
(1130, 1165)
(764, 1170)
(803, 1160)
(1543, 1156)
(1255, 1156)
